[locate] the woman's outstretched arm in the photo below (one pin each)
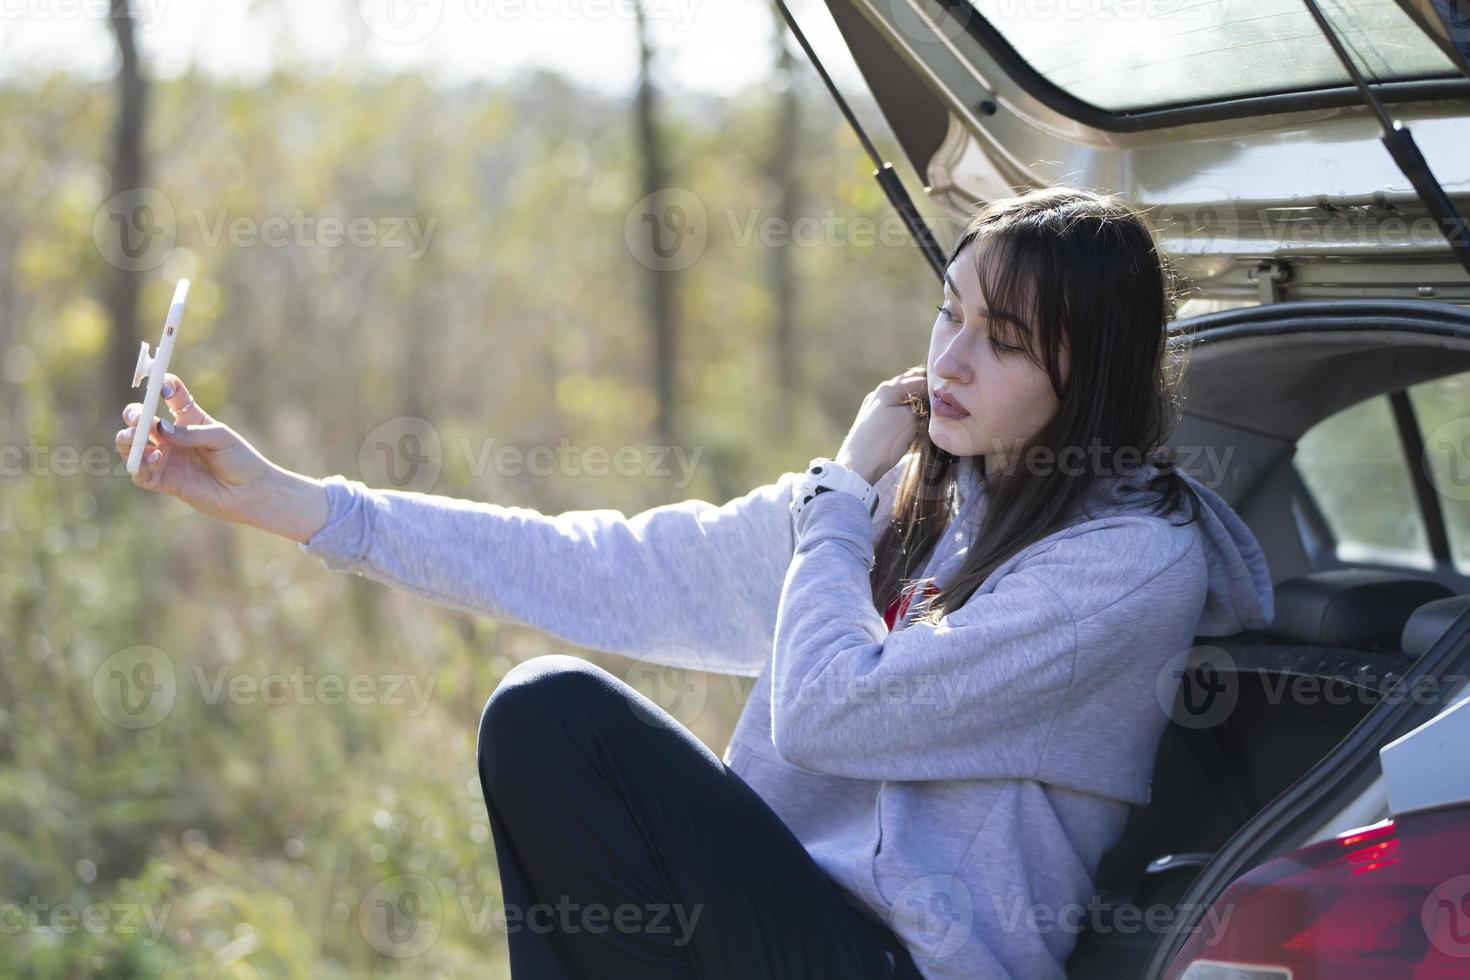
(689, 584)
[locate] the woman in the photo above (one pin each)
(957, 690)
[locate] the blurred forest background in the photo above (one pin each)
(293, 793)
(255, 829)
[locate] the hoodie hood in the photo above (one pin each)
(1239, 594)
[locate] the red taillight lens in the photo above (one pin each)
(1383, 902)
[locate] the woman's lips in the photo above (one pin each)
(946, 408)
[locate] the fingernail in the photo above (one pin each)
(168, 389)
(166, 426)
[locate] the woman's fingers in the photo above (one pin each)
(150, 471)
(155, 457)
(124, 440)
(186, 410)
(913, 383)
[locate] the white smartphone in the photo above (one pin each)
(153, 369)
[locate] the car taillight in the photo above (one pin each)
(1387, 901)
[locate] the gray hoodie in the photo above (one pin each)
(960, 781)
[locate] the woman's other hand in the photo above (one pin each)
(886, 424)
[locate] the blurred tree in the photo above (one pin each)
(781, 169)
(660, 283)
(129, 167)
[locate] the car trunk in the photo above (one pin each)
(1247, 143)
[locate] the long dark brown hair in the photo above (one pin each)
(1083, 270)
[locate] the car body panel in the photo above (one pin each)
(1264, 205)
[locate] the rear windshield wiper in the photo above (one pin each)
(1405, 152)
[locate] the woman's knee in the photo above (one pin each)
(533, 705)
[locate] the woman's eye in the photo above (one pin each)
(1003, 348)
(948, 314)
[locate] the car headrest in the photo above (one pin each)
(1429, 622)
(1350, 607)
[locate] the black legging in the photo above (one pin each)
(629, 851)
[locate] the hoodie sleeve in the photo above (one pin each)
(688, 584)
(974, 697)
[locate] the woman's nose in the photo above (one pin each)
(953, 363)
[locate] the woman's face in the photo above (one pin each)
(972, 358)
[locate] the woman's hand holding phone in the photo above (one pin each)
(213, 469)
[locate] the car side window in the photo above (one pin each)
(1354, 466)
(1443, 410)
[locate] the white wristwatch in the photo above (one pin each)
(824, 474)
